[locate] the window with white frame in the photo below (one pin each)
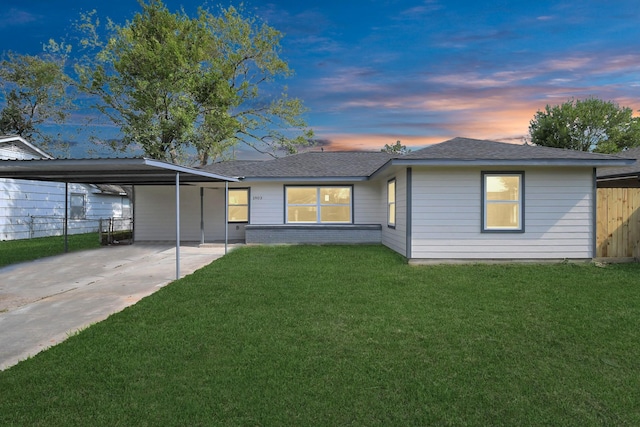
(391, 202)
(78, 207)
(238, 205)
(503, 201)
(318, 205)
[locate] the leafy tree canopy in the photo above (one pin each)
(172, 82)
(586, 125)
(34, 95)
(396, 148)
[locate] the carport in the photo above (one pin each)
(124, 171)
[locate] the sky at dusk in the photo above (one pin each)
(374, 72)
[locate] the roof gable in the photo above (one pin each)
(14, 147)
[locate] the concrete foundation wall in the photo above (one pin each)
(338, 234)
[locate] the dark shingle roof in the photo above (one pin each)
(336, 164)
(632, 170)
(362, 165)
(475, 149)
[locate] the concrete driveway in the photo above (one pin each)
(42, 302)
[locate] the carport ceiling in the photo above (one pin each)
(132, 171)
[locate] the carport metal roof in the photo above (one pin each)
(134, 171)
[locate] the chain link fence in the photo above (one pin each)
(112, 230)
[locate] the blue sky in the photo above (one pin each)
(373, 72)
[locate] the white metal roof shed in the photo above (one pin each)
(133, 171)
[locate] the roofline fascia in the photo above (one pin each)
(521, 162)
(304, 178)
(9, 138)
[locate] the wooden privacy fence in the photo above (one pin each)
(618, 223)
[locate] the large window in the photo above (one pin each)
(323, 205)
(503, 201)
(78, 206)
(239, 205)
(391, 203)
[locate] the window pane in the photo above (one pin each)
(332, 196)
(335, 214)
(391, 191)
(302, 214)
(239, 213)
(239, 197)
(77, 200)
(502, 215)
(503, 187)
(392, 214)
(301, 195)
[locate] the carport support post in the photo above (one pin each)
(177, 225)
(65, 226)
(202, 215)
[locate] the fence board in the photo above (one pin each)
(618, 223)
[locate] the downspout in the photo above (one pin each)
(409, 216)
(594, 213)
(226, 216)
(177, 225)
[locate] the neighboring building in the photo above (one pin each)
(462, 199)
(622, 177)
(36, 208)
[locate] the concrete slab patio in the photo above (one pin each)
(43, 302)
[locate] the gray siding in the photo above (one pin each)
(447, 216)
(36, 208)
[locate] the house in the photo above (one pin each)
(31, 208)
(463, 199)
(618, 214)
(622, 177)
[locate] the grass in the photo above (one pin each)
(14, 251)
(339, 335)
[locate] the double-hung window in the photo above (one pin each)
(318, 205)
(239, 205)
(78, 206)
(391, 202)
(503, 201)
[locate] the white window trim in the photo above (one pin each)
(390, 204)
(318, 205)
(248, 205)
(84, 206)
(485, 202)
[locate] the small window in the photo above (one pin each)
(391, 203)
(239, 205)
(503, 201)
(78, 206)
(324, 205)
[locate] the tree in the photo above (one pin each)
(173, 83)
(34, 90)
(396, 148)
(587, 125)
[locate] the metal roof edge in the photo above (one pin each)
(185, 169)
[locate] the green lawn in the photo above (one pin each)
(14, 251)
(343, 335)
